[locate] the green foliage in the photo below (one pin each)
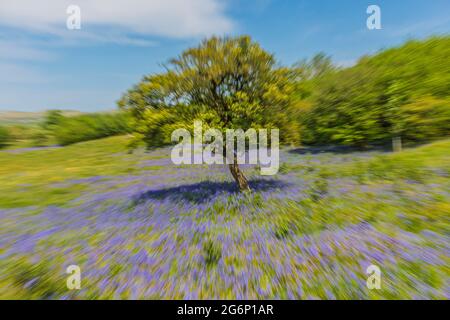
(225, 82)
(24, 136)
(86, 127)
(234, 83)
(57, 128)
(52, 118)
(20, 131)
(4, 137)
(403, 91)
(40, 138)
(212, 252)
(425, 118)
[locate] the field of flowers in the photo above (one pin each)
(140, 227)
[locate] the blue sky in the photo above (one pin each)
(45, 66)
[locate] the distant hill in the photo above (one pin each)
(21, 117)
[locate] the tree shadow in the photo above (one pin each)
(338, 149)
(204, 191)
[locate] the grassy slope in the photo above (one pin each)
(31, 177)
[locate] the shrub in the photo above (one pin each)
(39, 138)
(52, 118)
(4, 137)
(89, 127)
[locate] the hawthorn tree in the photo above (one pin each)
(227, 83)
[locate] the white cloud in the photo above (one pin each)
(167, 18)
(31, 31)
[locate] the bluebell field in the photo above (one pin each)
(153, 230)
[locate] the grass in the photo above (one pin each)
(31, 178)
(140, 227)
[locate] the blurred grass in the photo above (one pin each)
(387, 189)
(390, 191)
(30, 178)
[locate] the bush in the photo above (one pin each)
(39, 138)
(52, 118)
(20, 132)
(4, 137)
(89, 127)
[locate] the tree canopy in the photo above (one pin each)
(227, 83)
(402, 91)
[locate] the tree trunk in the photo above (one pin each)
(237, 174)
(239, 177)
